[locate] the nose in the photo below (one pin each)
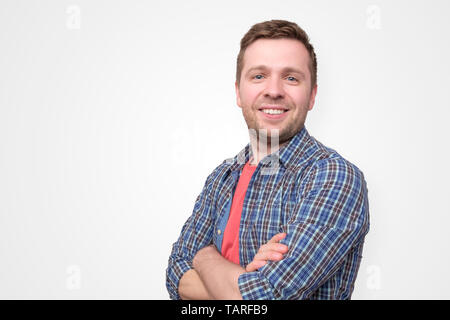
(274, 89)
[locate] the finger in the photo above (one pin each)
(268, 255)
(255, 265)
(277, 237)
(261, 259)
(279, 247)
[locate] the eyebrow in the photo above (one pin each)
(286, 69)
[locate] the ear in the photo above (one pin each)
(312, 98)
(238, 96)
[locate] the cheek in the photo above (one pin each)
(249, 94)
(300, 98)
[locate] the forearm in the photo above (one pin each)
(191, 287)
(219, 276)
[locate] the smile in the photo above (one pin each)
(273, 114)
(273, 111)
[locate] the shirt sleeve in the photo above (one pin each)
(196, 233)
(330, 219)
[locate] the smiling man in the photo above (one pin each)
(286, 217)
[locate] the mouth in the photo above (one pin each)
(273, 112)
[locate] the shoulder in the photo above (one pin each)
(325, 166)
(335, 183)
(218, 175)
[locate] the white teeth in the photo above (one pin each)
(272, 111)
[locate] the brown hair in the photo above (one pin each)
(276, 29)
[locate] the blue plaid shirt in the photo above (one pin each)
(306, 190)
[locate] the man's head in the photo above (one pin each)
(276, 69)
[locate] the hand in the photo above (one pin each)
(272, 250)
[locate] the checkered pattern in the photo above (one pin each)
(313, 194)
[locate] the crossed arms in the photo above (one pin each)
(214, 277)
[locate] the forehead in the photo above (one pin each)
(276, 54)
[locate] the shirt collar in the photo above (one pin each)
(290, 155)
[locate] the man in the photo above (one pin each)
(286, 218)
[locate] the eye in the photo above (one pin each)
(294, 79)
(258, 75)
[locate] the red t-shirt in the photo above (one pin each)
(230, 242)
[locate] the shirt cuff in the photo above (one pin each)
(174, 273)
(253, 286)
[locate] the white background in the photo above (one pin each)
(113, 113)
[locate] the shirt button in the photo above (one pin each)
(219, 231)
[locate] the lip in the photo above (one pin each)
(274, 116)
(268, 106)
